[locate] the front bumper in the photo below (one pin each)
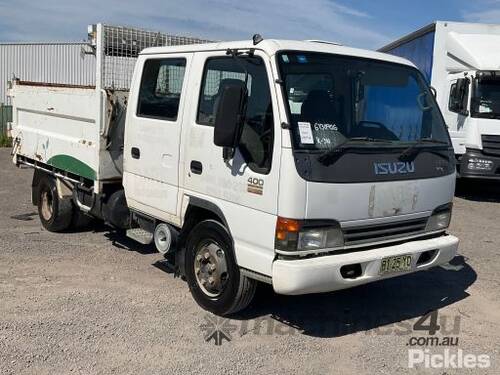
(322, 274)
(476, 164)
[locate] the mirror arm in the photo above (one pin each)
(433, 91)
(227, 153)
(236, 56)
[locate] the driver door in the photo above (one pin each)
(250, 179)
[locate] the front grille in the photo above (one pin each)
(383, 232)
(491, 144)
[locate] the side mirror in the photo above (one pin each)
(462, 95)
(229, 117)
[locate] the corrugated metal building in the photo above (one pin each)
(65, 63)
(74, 63)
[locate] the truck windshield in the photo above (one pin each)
(337, 100)
(485, 102)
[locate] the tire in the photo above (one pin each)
(55, 214)
(236, 291)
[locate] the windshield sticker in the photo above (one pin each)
(331, 127)
(325, 142)
(305, 132)
(326, 135)
(285, 58)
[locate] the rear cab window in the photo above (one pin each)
(161, 86)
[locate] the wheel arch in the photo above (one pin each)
(199, 209)
(64, 189)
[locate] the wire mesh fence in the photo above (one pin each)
(122, 45)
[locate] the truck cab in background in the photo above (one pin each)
(461, 61)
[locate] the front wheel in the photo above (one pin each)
(213, 276)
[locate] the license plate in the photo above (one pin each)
(398, 263)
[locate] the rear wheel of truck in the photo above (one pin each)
(55, 213)
(214, 278)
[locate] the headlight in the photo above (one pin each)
(440, 218)
(320, 238)
(294, 235)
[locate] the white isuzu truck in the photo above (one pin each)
(309, 166)
(462, 62)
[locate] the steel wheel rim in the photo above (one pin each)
(210, 268)
(47, 202)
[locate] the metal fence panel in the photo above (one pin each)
(64, 63)
(5, 118)
(75, 63)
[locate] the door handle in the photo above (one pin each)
(136, 153)
(196, 167)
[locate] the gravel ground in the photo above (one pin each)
(95, 303)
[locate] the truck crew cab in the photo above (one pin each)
(310, 166)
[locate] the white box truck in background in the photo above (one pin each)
(285, 162)
(462, 62)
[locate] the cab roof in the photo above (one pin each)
(272, 46)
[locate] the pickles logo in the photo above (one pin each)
(438, 349)
(394, 168)
(447, 359)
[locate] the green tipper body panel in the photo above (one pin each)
(70, 164)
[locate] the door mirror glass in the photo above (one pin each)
(229, 115)
(459, 96)
(465, 97)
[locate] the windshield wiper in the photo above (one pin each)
(331, 155)
(411, 152)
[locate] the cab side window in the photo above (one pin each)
(256, 142)
(161, 86)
